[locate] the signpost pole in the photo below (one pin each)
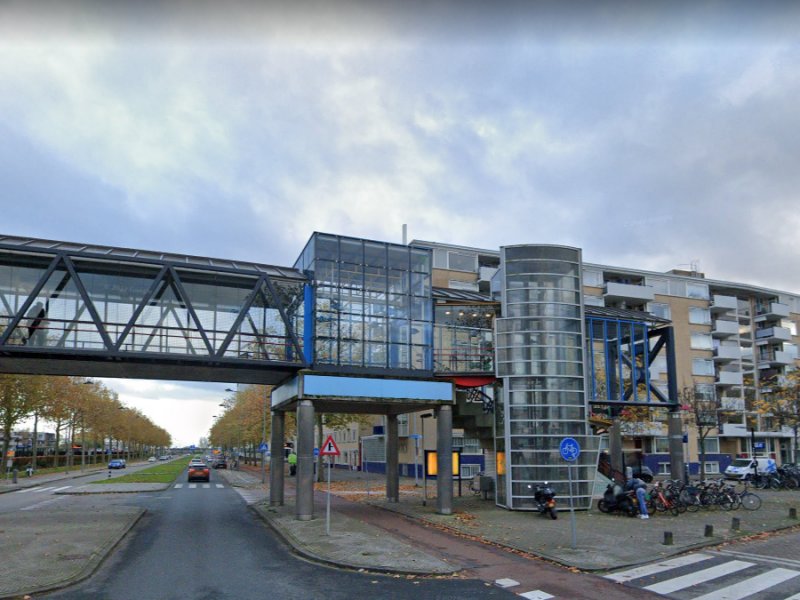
(571, 509)
(328, 503)
(570, 451)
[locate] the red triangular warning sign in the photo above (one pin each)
(329, 448)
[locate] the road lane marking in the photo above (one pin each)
(666, 565)
(192, 486)
(679, 583)
(43, 503)
(33, 489)
(505, 583)
(219, 485)
(178, 485)
(536, 595)
(40, 490)
(770, 560)
(206, 486)
(750, 586)
(66, 487)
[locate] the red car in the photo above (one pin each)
(199, 472)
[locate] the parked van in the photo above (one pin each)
(742, 467)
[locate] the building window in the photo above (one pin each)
(592, 278)
(711, 445)
(660, 286)
(661, 445)
(455, 284)
(469, 471)
(590, 300)
(699, 316)
(660, 309)
(701, 366)
(697, 290)
(462, 262)
(701, 341)
(705, 391)
(712, 468)
(663, 468)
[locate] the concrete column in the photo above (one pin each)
(676, 460)
(615, 444)
(276, 468)
(305, 461)
(392, 459)
(444, 462)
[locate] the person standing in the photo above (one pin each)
(292, 463)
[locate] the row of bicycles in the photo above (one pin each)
(786, 477)
(676, 497)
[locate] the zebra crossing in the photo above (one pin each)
(196, 486)
(39, 489)
(508, 583)
(716, 576)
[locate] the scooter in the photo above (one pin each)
(616, 499)
(545, 499)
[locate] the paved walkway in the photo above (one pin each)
(52, 548)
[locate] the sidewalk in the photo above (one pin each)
(603, 541)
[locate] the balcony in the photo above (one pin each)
(777, 358)
(722, 304)
(729, 378)
(723, 354)
(723, 329)
(774, 310)
(773, 334)
(733, 404)
(617, 292)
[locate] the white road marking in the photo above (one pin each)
(794, 597)
(652, 569)
(40, 490)
(219, 485)
(750, 586)
(537, 595)
(771, 560)
(206, 486)
(43, 503)
(178, 485)
(33, 489)
(505, 583)
(192, 486)
(679, 583)
(66, 487)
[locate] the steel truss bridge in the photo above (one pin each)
(71, 309)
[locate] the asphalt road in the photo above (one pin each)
(203, 543)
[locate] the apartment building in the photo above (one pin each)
(730, 339)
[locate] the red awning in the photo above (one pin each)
(473, 381)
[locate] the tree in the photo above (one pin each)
(702, 413)
(780, 399)
(19, 397)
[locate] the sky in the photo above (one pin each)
(652, 135)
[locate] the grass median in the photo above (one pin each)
(159, 473)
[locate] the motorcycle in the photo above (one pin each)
(616, 499)
(545, 499)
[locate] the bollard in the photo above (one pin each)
(735, 523)
(709, 531)
(109, 473)
(793, 513)
(668, 538)
(14, 476)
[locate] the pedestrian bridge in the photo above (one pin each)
(72, 309)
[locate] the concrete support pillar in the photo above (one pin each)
(305, 461)
(392, 458)
(615, 444)
(444, 455)
(676, 460)
(276, 469)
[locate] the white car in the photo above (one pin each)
(151, 459)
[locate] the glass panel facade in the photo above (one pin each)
(373, 305)
(540, 358)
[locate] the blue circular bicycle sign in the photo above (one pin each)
(570, 449)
